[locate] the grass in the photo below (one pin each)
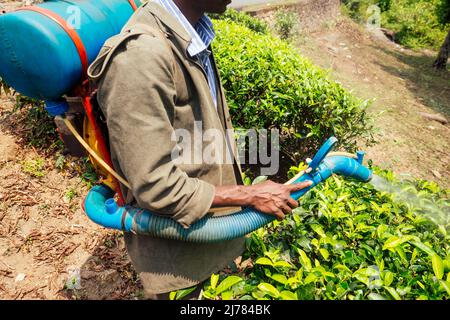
(34, 167)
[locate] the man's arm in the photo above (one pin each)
(268, 197)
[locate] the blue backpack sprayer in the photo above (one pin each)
(43, 57)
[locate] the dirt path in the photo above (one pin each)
(402, 84)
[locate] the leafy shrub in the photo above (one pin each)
(269, 85)
(39, 127)
(443, 11)
(417, 23)
(356, 9)
(384, 5)
(243, 19)
(286, 23)
(349, 241)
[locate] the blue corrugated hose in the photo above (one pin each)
(102, 209)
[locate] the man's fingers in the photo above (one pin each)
(279, 214)
(300, 186)
(292, 203)
(286, 209)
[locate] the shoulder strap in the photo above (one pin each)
(97, 68)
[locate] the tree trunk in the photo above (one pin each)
(441, 61)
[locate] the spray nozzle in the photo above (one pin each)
(326, 162)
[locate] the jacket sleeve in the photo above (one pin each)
(137, 94)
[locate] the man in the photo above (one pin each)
(158, 77)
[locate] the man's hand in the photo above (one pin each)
(274, 198)
(268, 197)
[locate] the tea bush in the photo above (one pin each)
(269, 85)
(417, 23)
(349, 241)
(254, 24)
(286, 23)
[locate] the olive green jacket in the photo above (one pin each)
(149, 87)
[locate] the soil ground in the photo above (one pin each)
(50, 250)
(48, 247)
(401, 84)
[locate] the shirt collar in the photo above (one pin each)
(202, 34)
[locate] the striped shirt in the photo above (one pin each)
(202, 34)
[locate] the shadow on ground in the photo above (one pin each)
(107, 274)
(429, 86)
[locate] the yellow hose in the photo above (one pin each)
(94, 154)
(295, 178)
(331, 154)
(343, 154)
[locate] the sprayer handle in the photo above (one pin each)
(326, 148)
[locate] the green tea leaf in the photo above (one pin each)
(402, 254)
(259, 179)
(324, 252)
(227, 295)
(228, 283)
(375, 296)
(280, 278)
(445, 285)
(393, 293)
(247, 181)
(438, 266)
(423, 247)
(269, 289)
(304, 260)
(447, 264)
(394, 241)
(214, 280)
(310, 278)
(264, 261)
(288, 295)
(282, 264)
(180, 294)
(318, 229)
(388, 278)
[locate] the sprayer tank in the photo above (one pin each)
(39, 59)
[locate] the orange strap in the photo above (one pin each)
(71, 32)
(103, 149)
(133, 4)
